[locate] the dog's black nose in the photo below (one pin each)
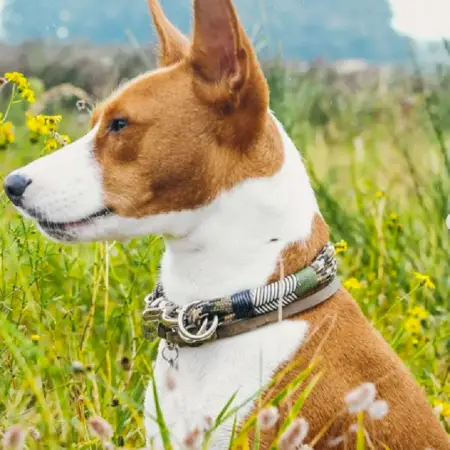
(15, 186)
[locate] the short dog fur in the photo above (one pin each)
(191, 151)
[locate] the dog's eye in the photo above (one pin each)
(117, 125)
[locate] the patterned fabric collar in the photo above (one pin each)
(203, 321)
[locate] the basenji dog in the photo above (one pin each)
(192, 152)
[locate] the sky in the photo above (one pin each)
(422, 19)
(419, 19)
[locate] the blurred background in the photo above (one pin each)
(78, 40)
(362, 87)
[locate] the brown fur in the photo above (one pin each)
(194, 130)
(350, 351)
(301, 254)
(200, 126)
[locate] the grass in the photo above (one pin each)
(71, 347)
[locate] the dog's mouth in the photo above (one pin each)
(48, 225)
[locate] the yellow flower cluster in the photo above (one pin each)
(46, 126)
(22, 84)
(393, 222)
(443, 408)
(341, 247)
(6, 133)
(425, 280)
(415, 315)
(352, 283)
(419, 312)
(42, 125)
(412, 325)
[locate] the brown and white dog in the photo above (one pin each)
(192, 152)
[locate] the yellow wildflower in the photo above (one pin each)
(63, 139)
(425, 280)
(442, 407)
(413, 325)
(419, 312)
(37, 124)
(393, 217)
(51, 144)
(28, 95)
(35, 338)
(22, 84)
(341, 246)
(352, 283)
(17, 78)
(6, 134)
(52, 122)
(380, 194)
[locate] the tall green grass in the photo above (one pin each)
(71, 347)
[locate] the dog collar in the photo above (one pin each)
(203, 321)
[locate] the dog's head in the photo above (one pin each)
(169, 141)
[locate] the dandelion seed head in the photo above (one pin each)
(294, 435)
(78, 367)
(378, 409)
(14, 438)
(35, 434)
(100, 428)
(171, 379)
(192, 440)
(361, 398)
(208, 422)
(81, 105)
(268, 417)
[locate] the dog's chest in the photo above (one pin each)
(208, 376)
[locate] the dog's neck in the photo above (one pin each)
(240, 240)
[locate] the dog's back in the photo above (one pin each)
(350, 352)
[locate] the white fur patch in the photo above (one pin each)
(67, 184)
(229, 250)
(208, 376)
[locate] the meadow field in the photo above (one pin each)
(378, 151)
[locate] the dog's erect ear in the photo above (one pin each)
(222, 54)
(174, 46)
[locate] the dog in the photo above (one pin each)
(192, 152)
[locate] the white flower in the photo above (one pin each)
(378, 409)
(35, 434)
(268, 417)
(361, 398)
(193, 440)
(100, 428)
(171, 379)
(294, 435)
(448, 222)
(14, 438)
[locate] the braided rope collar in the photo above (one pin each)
(203, 321)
